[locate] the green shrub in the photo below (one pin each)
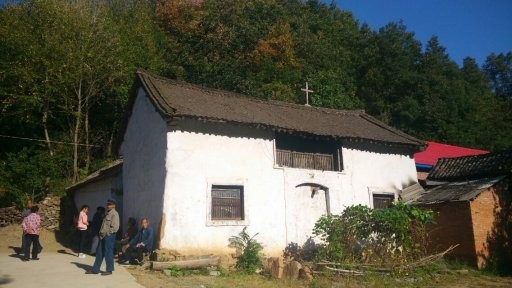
(248, 249)
(30, 173)
(373, 235)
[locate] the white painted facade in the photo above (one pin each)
(97, 193)
(144, 175)
(169, 170)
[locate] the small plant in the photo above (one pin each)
(248, 249)
(174, 271)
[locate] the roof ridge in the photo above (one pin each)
(179, 98)
(227, 93)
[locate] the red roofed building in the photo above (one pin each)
(427, 159)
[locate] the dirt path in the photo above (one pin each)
(11, 237)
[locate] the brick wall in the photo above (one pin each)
(453, 226)
(491, 212)
(482, 227)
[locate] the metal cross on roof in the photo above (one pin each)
(307, 93)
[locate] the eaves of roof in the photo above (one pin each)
(173, 98)
(111, 169)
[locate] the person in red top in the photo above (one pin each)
(31, 227)
(24, 214)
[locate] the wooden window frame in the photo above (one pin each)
(382, 195)
(226, 202)
(237, 183)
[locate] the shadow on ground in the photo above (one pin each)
(68, 239)
(83, 266)
(15, 249)
(64, 251)
(16, 255)
(4, 279)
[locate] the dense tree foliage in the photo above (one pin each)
(65, 71)
(66, 68)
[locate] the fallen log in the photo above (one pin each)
(344, 271)
(186, 264)
(386, 268)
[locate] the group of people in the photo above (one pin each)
(130, 248)
(105, 224)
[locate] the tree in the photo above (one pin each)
(67, 62)
(498, 71)
(389, 75)
(441, 92)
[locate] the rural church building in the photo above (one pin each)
(204, 163)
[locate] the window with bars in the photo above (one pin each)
(383, 200)
(318, 153)
(227, 202)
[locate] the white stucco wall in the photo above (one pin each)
(281, 212)
(169, 170)
(221, 154)
(373, 169)
(143, 151)
(97, 193)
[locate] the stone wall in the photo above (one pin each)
(9, 215)
(49, 209)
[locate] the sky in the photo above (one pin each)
(466, 28)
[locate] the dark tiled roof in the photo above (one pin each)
(456, 191)
(411, 193)
(111, 169)
(472, 167)
(179, 99)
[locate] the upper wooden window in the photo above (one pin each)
(318, 153)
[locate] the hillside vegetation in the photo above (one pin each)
(66, 68)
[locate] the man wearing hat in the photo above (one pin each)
(107, 234)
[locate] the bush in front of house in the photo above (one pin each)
(360, 234)
(248, 250)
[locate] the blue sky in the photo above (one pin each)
(473, 28)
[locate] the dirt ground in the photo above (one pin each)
(52, 243)
(149, 278)
(11, 240)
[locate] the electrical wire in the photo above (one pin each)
(42, 140)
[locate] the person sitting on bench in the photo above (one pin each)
(140, 244)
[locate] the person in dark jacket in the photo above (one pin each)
(131, 231)
(140, 244)
(97, 219)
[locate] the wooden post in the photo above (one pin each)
(187, 264)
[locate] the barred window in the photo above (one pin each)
(381, 201)
(227, 202)
(320, 153)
